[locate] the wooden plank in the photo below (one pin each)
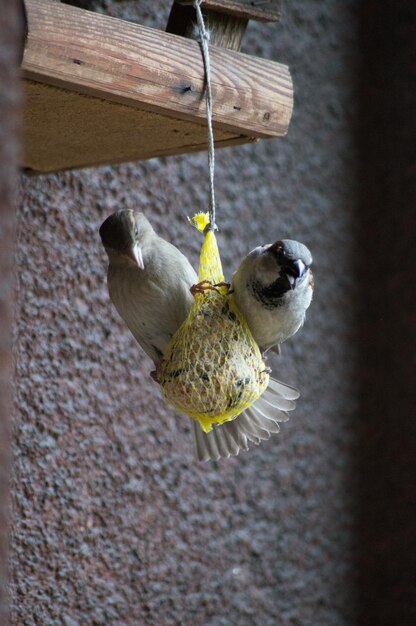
(63, 129)
(265, 10)
(148, 69)
(226, 31)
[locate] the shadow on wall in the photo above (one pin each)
(385, 259)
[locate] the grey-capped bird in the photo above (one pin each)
(149, 283)
(273, 288)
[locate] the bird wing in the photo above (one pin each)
(255, 424)
(155, 301)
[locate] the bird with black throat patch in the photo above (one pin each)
(273, 289)
(149, 282)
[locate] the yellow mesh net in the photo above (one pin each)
(212, 369)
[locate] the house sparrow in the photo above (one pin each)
(149, 283)
(273, 288)
(148, 280)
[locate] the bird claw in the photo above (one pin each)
(154, 376)
(206, 285)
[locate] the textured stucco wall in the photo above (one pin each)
(113, 522)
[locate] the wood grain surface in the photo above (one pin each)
(63, 129)
(267, 10)
(146, 68)
(225, 31)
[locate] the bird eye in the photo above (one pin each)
(136, 232)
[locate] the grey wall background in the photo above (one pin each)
(113, 523)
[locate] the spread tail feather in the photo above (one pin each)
(254, 425)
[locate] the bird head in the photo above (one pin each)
(291, 259)
(275, 271)
(120, 235)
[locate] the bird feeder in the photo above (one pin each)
(212, 369)
(101, 90)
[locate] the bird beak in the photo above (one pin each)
(135, 254)
(300, 267)
(293, 271)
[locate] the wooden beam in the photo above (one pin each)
(266, 10)
(226, 31)
(64, 130)
(145, 68)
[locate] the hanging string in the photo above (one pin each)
(204, 40)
